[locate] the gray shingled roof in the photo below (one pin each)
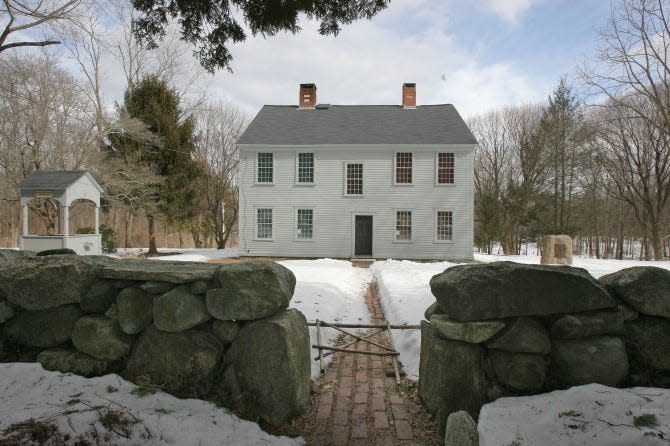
(51, 179)
(358, 124)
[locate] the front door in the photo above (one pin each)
(363, 236)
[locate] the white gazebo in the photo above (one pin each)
(63, 186)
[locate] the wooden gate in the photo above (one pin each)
(343, 348)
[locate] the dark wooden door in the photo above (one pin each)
(363, 236)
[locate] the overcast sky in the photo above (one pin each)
(477, 55)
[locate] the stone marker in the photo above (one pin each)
(556, 249)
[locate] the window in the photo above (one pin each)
(305, 224)
(445, 226)
(264, 223)
(264, 162)
(403, 168)
(445, 168)
(306, 168)
(403, 225)
(354, 179)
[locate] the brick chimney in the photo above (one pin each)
(307, 97)
(409, 95)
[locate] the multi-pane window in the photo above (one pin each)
(354, 179)
(445, 225)
(403, 225)
(264, 223)
(305, 167)
(445, 168)
(264, 165)
(305, 224)
(403, 168)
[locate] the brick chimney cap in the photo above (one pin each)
(311, 85)
(409, 84)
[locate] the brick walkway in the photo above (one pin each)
(360, 403)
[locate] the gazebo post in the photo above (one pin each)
(66, 224)
(97, 219)
(25, 219)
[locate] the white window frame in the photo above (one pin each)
(344, 191)
(295, 224)
(395, 225)
(395, 168)
(272, 227)
(437, 169)
(453, 225)
(274, 169)
(297, 169)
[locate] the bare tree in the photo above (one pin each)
(25, 18)
(219, 127)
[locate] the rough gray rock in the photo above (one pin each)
(650, 336)
(99, 297)
(506, 289)
(575, 326)
(152, 271)
(250, 290)
(433, 309)
(157, 287)
(461, 430)
(56, 252)
(627, 312)
(645, 288)
(46, 282)
(179, 310)
(73, 361)
(43, 328)
(183, 363)
(520, 371)
(601, 360)
(451, 375)
(199, 287)
(134, 310)
(523, 335)
(267, 368)
(226, 331)
(101, 338)
(13, 254)
(6, 312)
(472, 332)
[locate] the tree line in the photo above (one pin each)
(599, 172)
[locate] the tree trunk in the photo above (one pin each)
(152, 235)
(128, 239)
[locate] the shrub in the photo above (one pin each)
(108, 237)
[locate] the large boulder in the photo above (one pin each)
(13, 254)
(461, 430)
(46, 282)
(101, 338)
(152, 271)
(43, 328)
(73, 361)
(157, 287)
(134, 310)
(523, 335)
(99, 297)
(267, 367)
(506, 289)
(6, 312)
(250, 290)
(179, 310)
(182, 363)
(520, 371)
(451, 375)
(645, 288)
(575, 326)
(473, 332)
(226, 331)
(601, 360)
(650, 338)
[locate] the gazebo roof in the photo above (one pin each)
(56, 179)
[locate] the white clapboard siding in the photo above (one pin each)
(334, 212)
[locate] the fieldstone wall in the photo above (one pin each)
(507, 329)
(221, 332)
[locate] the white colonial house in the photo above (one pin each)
(358, 181)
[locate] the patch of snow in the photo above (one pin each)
(332, 291)
(592, 415)
(69, 402)
(185, 254)
(404, 290)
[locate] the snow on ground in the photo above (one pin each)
(592, 415)
(331, 291)
(404, 291)
(75, 405)
(596, 267)
(185, 254)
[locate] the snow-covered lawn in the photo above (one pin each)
(592, 415)
(185, 254)
(76, 405)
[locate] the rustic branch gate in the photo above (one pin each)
(387, 351)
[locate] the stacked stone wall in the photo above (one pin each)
(221, 332)
(506, 329)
